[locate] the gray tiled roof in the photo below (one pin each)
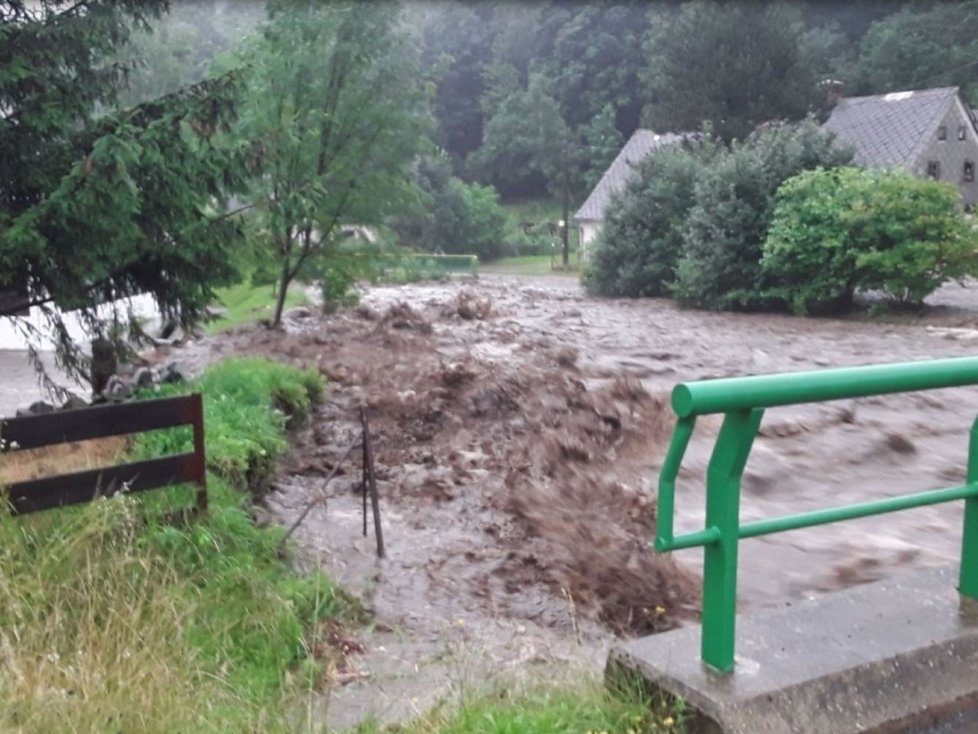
(889, 129)
(636, 149)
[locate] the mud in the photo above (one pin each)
(518, 429)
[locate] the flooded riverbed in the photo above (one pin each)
(519, 427)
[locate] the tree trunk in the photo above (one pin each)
(283, 285)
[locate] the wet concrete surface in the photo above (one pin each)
(884, 657)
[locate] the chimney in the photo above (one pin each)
(833, 90)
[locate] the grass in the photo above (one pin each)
(116, 620)
(586, 707)
(247, 303)
(527, 265)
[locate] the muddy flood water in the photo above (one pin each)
(519, 427)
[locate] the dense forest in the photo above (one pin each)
(526, 95)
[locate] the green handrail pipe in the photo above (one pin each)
(768, 391)
(742, 400)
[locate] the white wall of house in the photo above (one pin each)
(589, 230)
(12, 337)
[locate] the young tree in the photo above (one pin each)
(336, 115)
(642, 237)
(97, 208)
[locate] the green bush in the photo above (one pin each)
(642, 237)
(726, 228)
(838, 231)
(453, 217)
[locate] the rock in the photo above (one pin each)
(299, 312)
(171, 374)
(117, 390)
(74, 402)
(470, 306)
(144, 377)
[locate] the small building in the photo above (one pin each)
(590, 216)
(929, 132)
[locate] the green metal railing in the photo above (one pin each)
(742, 400)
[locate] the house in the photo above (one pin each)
(590, 216)
(930, 132)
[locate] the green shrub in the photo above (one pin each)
(726, 228)
(642, 237)
(453, 217)
(836, 231)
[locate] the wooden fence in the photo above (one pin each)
(102, 421)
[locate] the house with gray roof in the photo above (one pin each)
(929, 132)
(590, 216)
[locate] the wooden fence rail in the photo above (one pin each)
(102, 421)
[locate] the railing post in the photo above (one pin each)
(720, 558)
(968, 575)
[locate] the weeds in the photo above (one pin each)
(115, 620)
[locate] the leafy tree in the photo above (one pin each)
(736, 65)
(181, 46)
(602, 143)
(929, 45)
(642, 237)
(454, 217)
(336, 115)
(726, 228)
(457, 46)
(595, 64)
(835, 231)
(93, 208)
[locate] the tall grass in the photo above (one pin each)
(113, 619)
(580, 706)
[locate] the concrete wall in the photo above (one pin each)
(952, 153)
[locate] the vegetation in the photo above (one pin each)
(334, 117)
(642, 237)
(839, 230)
(248, 302)
(117, 620)
(583, 707)
(726, 226)
(693, 222)
(453, 217)
(98, 203)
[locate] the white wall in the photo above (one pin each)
(12, 338)
(589, 231)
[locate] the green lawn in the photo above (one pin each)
(529, 265)
(247, 303)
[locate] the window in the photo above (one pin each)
(969, 171)
(933, 169)
(962, 132)
(942, 132)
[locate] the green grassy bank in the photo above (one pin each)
(116, 621)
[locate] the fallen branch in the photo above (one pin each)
(321, 497)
